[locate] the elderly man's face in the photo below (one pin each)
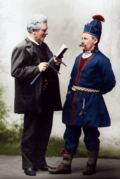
(40, 35)
(88, 42)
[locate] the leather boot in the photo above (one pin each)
(61, 169)
(65, 166)
(91, 164)
(89, 170)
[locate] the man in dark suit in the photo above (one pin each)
(38, 101)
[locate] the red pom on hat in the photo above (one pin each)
(99, 17)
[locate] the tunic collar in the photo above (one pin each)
(87, 54)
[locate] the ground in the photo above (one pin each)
(10, 168)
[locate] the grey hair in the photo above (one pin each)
(95, 37)
(34, 22)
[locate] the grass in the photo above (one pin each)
(13, 148)
(53, 149)
(55, 144)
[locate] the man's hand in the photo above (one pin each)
(42, 66)
(58, 63)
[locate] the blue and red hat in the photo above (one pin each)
(95, 26)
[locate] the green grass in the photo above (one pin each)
(53, 149)
(13, 148)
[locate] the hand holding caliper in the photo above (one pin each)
(45, 65)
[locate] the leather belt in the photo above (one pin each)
(78, 88)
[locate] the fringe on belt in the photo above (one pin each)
(78, 88)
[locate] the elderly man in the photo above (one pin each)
(38, 101)
(84, 107)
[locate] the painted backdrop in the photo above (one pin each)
(66, 19)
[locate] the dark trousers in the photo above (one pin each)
(36, 133)
(72, 134)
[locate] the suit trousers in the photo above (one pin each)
(36, 133)
(73, 133)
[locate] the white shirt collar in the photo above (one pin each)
(86, 55)
(34, 41)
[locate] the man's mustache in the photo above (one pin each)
(43, 35)
(82, 45)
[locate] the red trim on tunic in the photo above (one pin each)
(81, 66)
(68, 92)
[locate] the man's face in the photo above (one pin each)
(87, 41)
(40, 35)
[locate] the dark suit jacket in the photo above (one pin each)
(24, 67)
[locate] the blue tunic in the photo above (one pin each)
(97, 74)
